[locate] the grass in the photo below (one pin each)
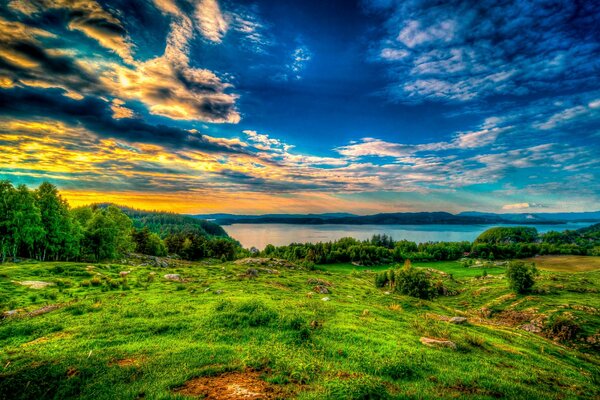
(566, 263)
(143, 336)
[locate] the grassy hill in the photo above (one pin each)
(260, 330)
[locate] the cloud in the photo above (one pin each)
(120, 111)
(393, 54)
(460, 51)
(300, 57)
(96, 115)
(167, 85)
(211, 22)
(521, 206)
(85, 16)
(413, 34)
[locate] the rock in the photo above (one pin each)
(173, 277)
(123, 274)
(270, 271)
(44, 310)
(325, 299)
(458, 320)
(36, 284)
(11, 313)
(265, 262)
(251, 272)
(438, 343)
(531, 327)
(321, 289)
(320, 282)
(485, 312)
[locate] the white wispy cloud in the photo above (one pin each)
(460, 51)
(210, 20)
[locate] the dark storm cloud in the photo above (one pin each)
(95, 115)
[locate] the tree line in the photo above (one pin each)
(39, 224)
(494, 244)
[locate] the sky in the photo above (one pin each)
(201, 106)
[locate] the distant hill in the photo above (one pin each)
(589, 216)
(418, 218)
(164, 223)
(415, 218)
(236, 216)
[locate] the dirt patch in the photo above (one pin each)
(566, 263)
(232, 385)
(279, 285)
(513, 318)
(45, 309)
(42, 339)
(35, 284)
(128, 362)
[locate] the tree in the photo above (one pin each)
(24, 222)
(7, 193)
(54, 212)
(107, 233)
(521, 276)
(414, 282)
(147, 242)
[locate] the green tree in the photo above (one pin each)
(521, 276)
(55, 217)
(24, 222)
(107, 233)
(7, 193)
(414, 282)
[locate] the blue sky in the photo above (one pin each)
(304, 106)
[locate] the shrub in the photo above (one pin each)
(415, 283)
(562, 327)
(381, 279)
(96, 281)
(521, 276)
(251, 313)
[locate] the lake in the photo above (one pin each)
(259, 235)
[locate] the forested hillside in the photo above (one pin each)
(39, 224)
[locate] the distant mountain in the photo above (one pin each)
(416, 218)
(419, 218)
(588, 216)
(235, 216)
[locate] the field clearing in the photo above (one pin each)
(566, 263)
(85, 331)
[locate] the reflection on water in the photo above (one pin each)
(259, 235)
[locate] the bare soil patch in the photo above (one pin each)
(566, 263)
(232, 385)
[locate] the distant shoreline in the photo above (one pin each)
(407, 218)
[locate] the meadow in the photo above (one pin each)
(260, 329)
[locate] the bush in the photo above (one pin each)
(562, 327)
(521, 276)
(251, 313)
(415, 283)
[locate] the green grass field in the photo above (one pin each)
(220, 334)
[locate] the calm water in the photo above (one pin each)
(259, 235)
